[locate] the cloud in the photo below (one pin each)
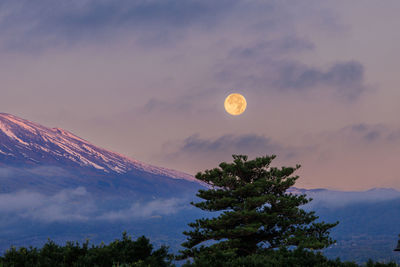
(369, 133)
(145, 210)
(201, 153)
(20, 201)
(346, 77)
(337, 199)
(66, 205)
(262, 48)
(229, 143)
(183, 104)
(47, 22)
(269, 64)
(265, 71)
(78, 205)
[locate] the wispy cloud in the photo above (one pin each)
(346, 78)
(365, 134)
(211, 151)
(337, 199)
(78, 205)
(229, 144)
(146, 210)
(266, 67)
(30, 25)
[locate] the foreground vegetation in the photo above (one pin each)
(278, 258)
(124, 252)
(258, 224)
(140, 253)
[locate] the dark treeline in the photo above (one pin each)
(140, 253)
(124, 252)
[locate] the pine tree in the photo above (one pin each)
(255, 211)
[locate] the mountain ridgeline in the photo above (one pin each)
(49, 159)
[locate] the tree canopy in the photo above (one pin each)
(256, 213)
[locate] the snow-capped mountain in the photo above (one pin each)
(34, 157)
(31, 143)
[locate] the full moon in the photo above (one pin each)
(235, 104)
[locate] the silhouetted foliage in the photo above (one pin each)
(124, 252)
(256, 212)
(276, 258)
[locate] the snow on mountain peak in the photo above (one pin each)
(31, 142)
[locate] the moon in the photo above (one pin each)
(235, 104)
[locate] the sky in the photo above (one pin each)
(148, 79)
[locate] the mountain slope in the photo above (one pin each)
(34, 156)
(28, 142)
(58, 185)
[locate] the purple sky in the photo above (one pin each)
(148, 79)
